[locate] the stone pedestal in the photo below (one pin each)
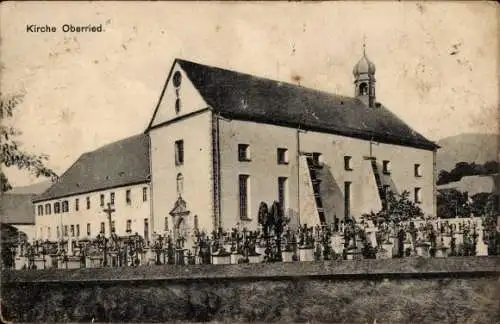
(389, 248)
(459, 238)
(306, 254)
(287, 256)
(94, 262)
(74, 263)
(408, 245)
(422, 250)
(384, 254)
(254, 258)
(20, 262)
(441, 253)
(481, 248)
(337, 243)
(446, 240)
(235, 257)
(260, 250)
(40, 264)
(221, 259)
(354, 254)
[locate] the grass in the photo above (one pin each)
(473, 300)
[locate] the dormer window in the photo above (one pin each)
(243, 152)
(386, 167)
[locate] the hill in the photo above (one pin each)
(478, 148)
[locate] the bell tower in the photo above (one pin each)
(364, 80)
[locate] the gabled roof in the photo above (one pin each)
(17, 209)
(246, 97)
(121, 163)
(34, 189)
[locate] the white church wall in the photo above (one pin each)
(402, 163)
(195, 132)
(137, 210)
(263, 169)
(190, 100)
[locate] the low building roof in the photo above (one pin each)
(243, 96)
(17, 209)
(120, 163)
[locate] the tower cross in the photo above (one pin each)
(109, 211)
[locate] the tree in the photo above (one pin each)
(11, 151)
(453, 203)
(399, 208)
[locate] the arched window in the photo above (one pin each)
(65, 206)
(363, 89)
(57, 208)
(40, 210)
(180, 184)
(48, 209)
(196, 223)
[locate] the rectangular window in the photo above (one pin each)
(316, 159)
(112, 198)
(57, 232)
(72, 230)
(243, 152)
(418, 195)
(88, 229)
(48, 232)
(166, 225)
(145, 194)
(128, 229)
(65, 230)
(113, 228)
(77, 230)
(57, 208)
(347, 163)
(386, 167)
(88, 202)
(282, 156)
(179, 152)
(128, 198)
(347, 200)
(146, 229)
(282, 192)
(103, 228)
(77, 204)
(417, 170)
(243, 192)
(102, 200)
(65, 206)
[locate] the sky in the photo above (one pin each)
(437, 62)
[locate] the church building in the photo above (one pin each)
(221, 142)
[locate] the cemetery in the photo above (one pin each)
(373, 237)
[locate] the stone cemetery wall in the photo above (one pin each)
(458, 290)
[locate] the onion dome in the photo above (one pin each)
(364, 66)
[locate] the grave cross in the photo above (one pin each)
(109, 211)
